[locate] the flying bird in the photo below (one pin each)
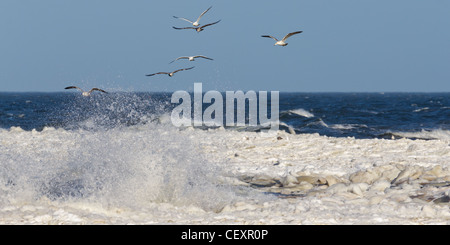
(195, 23)
(84, 93)
(190, 58)
(282, 42)
(170, 73)
(198, 29)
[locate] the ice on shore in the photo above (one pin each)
(156, 175)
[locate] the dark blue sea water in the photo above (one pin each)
(359, 115)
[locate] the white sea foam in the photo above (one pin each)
(319, 122)
(301, 112)
(422, 109)
(426, 134)
(347, 126)
(157, 174)
(122, 168)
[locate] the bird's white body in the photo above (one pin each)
(191, 58)
(86, 93)
(280, 43)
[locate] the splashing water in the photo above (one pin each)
(111, 150)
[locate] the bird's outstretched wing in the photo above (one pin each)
(291, 34)
(149, 75)
(71, 87)
(210, 24)
(182, 57)
(201, 56)
(183, 19)
(183, 69)
(270, 37)
(97, 89)
(204, 12)
(181, 28)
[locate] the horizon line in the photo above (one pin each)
(142, 91)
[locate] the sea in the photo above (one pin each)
(359, 115)
(116, 158)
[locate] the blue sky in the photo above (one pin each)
(346, 45)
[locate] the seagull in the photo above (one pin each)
(191, 58)
(196, 23)
(282, 41)
(170, 73)
(84, 93)
(198, 29)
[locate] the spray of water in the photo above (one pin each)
(116, 151)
